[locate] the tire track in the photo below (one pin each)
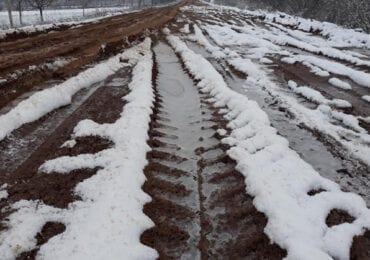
(200, 207)
(172, 171)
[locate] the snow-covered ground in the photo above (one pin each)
(57, 16)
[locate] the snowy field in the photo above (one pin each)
(58, 16)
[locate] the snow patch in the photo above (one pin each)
(316, 70)
(340, 83)
(336, 35)
(54, 65)
(221, 132)
(3, 192)
(69, 144)
(316, 96)
(185, 29)
(357, 141)
(366, 98)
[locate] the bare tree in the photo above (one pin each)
(9, 7)
(20, 9)
(40, 5)
(84, 4)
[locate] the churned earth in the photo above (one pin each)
(189, 131)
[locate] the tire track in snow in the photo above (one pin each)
(200, 207)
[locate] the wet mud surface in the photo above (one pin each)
(361, 247)
(199, 202)
(200, 206)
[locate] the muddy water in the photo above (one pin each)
(347, 173)
(180, 118)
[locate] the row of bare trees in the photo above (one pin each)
(350, 13)
(38, 4)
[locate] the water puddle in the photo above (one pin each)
(181, 106)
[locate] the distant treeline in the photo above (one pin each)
(349, 13)
(58, 4)
(42, 5)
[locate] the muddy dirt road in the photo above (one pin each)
(30, 61)
(202, 202)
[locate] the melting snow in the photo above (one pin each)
(316, 96)
(3, 192)
(366, 98)
(296, 221)
(340, 83)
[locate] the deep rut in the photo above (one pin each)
(200, 207)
